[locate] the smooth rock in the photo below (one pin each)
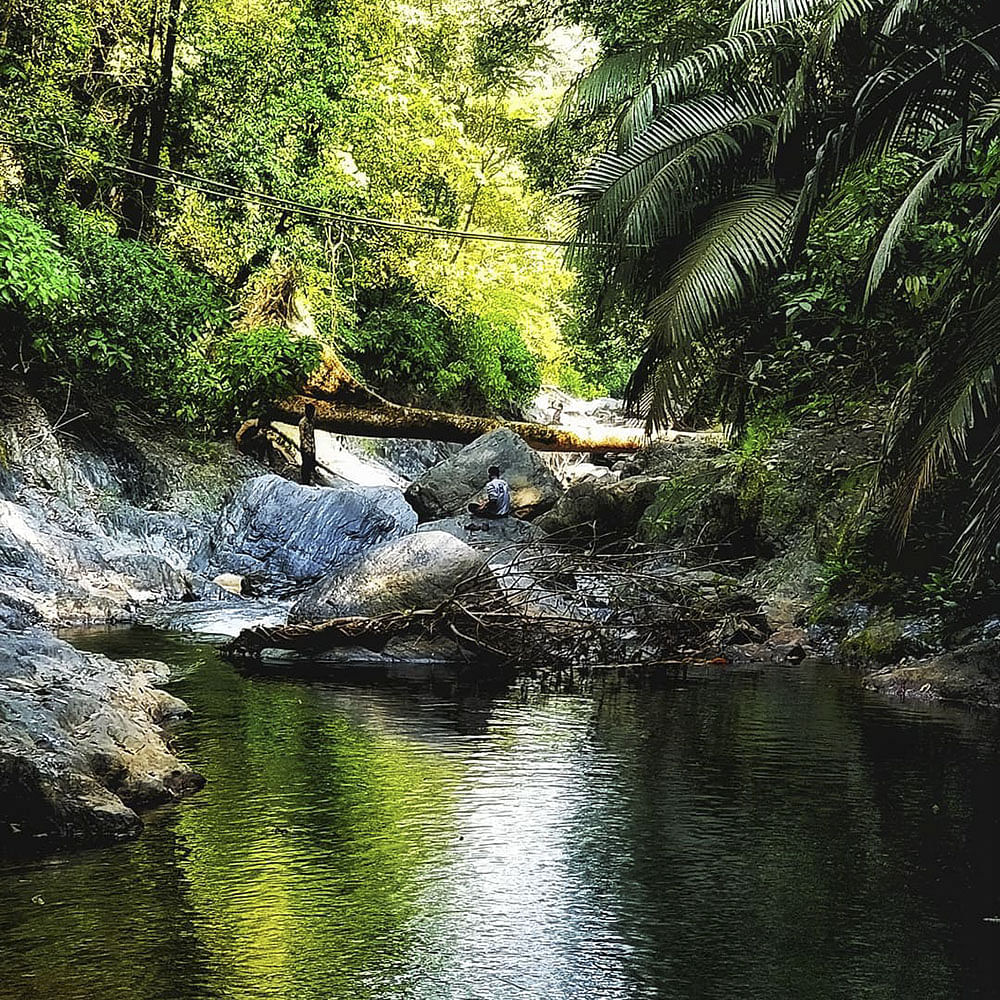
(81, 746)
(598, 508)
(415, 572)
(282, 535)
(446, 489)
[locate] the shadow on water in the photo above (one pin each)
(442, 835)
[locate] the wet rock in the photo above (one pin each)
(81, 743)
(597, 508)
(219, 619)
(486, 533)
(446, 489)
(415, 572)
(96, 526)
(149, 575)
(283, 535)
(889, 639)
(969, 674)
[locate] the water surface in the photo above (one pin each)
(770, 837)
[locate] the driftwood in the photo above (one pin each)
(344, 406)
(541, 606)
(369, 633)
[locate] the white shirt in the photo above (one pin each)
(498, 491)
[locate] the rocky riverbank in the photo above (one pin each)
(83, 742)
(708, 553)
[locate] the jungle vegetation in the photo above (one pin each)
(772, 204)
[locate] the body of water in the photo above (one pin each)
(780, 836)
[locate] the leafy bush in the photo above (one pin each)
(34, 274)
(245, 369)
(138, 316)
(416, 349)
(120, 318)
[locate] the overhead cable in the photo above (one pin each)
(221, 189)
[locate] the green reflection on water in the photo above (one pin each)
(301, 854)
(740, 839)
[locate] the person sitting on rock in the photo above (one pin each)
(497, 497)
(557, 411)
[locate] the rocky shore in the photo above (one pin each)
(126, 522)
(83, 742)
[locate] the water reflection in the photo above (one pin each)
(762, 838)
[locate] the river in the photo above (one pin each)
(772, 836)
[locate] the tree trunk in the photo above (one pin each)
(380, 418)
(158, 115)
(345, 406)
(149, 119)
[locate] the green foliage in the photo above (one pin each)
(791, 114)
(416, 348)
(420, 113)
(130, 322)
(239, 372)
(34, 274)
(138, 315)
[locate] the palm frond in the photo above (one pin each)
(618, 76)
(676, 125)
(978, 544)
(741, 243)
(701, 173)
(759, 13)
(726, 56)
(614, 78)
(906, 215)
(954, 386)
(898, 13)
(840, 16)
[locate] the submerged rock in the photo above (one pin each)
(445, 490)
(280, 535)
(81, 743)
(415, 572)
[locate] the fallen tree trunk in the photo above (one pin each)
(344, 406)
(392, 420)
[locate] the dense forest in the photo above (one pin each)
(499, 498)
(772, 211)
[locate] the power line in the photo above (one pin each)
(220, 189)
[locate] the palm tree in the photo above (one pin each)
(723, 155)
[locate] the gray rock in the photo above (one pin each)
(587, 470)
(81, 748)
(606, 510)
(153, 575)
(487, 533)
(969, 674)
(446, 489)
(282, 535)
(415, 572)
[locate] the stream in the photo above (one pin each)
(771, 836)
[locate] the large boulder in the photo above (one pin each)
(970, 674)
(445, 490)
(280, 535)
(81, 743)
(488, 533)
(595, 508)
(415, 572)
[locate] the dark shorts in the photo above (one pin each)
(485, 510)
